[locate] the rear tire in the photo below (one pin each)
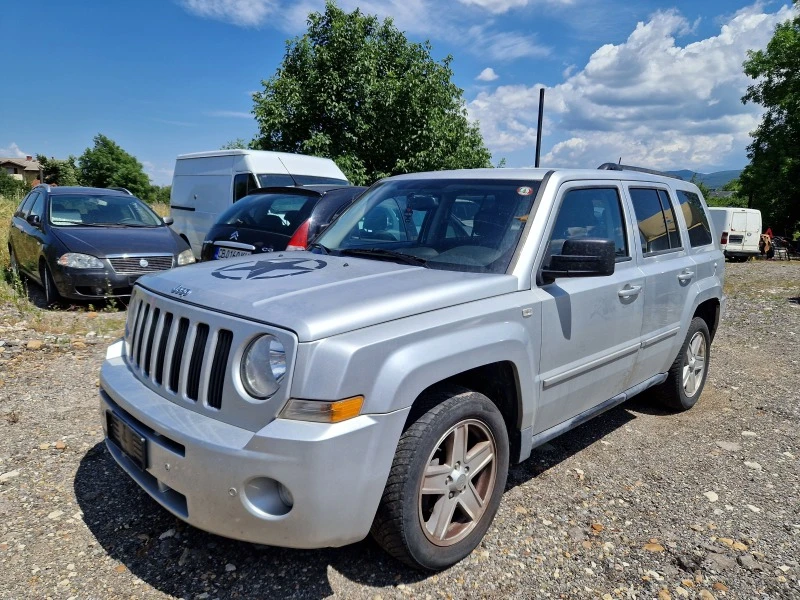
(459, 450)
(12, 259)
(687, 376)
(51, 295)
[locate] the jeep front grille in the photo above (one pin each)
(189, 356)
(138, 265)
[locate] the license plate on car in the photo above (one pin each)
(230, 253)
(131, 442)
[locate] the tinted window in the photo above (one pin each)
(243, 184)
(695, 217)
(669, 217)
(38, 206)
(651, 220)
(589, 213)
(26, 204)
(274, 213)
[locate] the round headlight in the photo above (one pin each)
(263, 366)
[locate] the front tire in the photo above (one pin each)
(687, 375)
(51, 295)
(446, 481)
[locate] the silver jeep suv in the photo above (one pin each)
(442, 327)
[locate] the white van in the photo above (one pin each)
(739, 230)
(206, 183)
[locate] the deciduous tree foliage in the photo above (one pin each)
(356, 90)
(772, 179)
(59, 172)
(108, 165)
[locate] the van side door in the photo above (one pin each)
(669, 273)
(591, 326)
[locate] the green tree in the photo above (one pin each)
(59, 172)
(162, 194)
(235, 144)
(12, 188)
(354, 89)
(771, 182)
(108, 165)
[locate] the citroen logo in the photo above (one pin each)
(234, 236)
(143, 263)
(180, 291)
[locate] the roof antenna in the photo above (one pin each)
(539, 127)
(619, 162)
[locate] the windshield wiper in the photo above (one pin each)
(60, 223)
(385, 254)
(315, 245)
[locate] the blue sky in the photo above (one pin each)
(654, 82)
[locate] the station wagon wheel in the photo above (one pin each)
(687, 375)
(446, 481)
(51, 295)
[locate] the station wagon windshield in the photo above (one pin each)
(453, 224)
(75, 210)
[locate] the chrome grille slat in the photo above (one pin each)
(151, 336)
(140, 336)
(162, 348)
(131, 265)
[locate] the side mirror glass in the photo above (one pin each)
(168, 220)
(582, 258)
(34, 220)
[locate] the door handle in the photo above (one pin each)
(629, 291)
(685, 276)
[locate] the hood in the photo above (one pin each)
(102, 241)
(317, 296)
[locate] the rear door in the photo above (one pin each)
(669, 272)
(590, 327)
(17, 232)
(738, 232)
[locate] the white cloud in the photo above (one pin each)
(12, 151)
(487, 74)
(245, 13)
(504, 45)
(647, 99)
(159, 174)
(502, 6)
(229, 114)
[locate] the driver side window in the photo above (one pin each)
(589, 213)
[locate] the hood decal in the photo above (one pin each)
(269, 269)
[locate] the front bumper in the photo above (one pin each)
(80, 284)
(217, 476)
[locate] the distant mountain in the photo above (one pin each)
(712, 180)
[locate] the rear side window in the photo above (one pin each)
(657, 228)
(589, 213)
(696, 218)
(25, 205)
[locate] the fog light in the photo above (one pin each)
(267, 497)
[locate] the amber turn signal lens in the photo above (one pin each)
(321, 411)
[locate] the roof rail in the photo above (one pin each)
(121, 189)
(617, 167)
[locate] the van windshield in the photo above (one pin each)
(453, 224)
(284, 180)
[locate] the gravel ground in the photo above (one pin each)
(638, 503)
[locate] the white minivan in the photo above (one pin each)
(739, 230)
(206, 183)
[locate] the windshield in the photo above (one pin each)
(276, 213)
(71, 210)
(454, 224)
(285, 180)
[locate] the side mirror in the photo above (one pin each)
(168, 220)
(582, 258)
(34, 220)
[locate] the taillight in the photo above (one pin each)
(300, 238)
(724, 238)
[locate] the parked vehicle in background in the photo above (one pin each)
(273, 219)
(441, 327)
(205, 184)
(87, 243)
(738, 231)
